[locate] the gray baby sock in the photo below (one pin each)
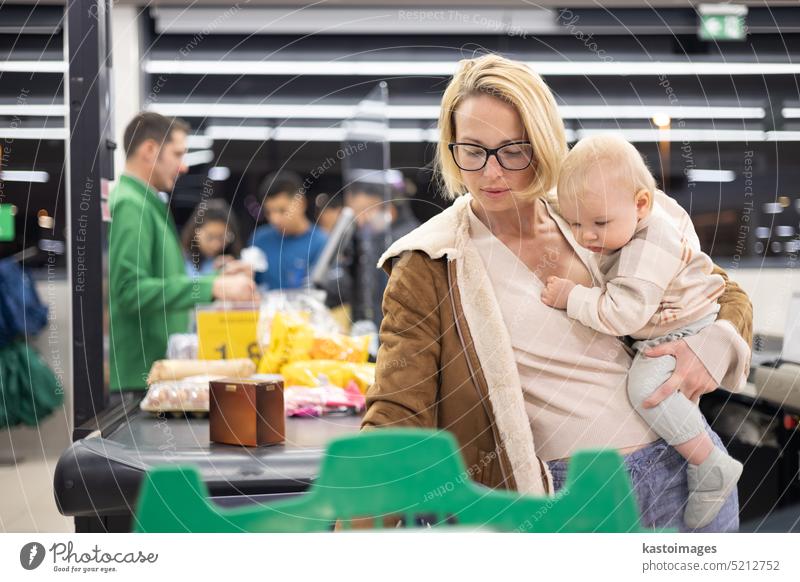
(710, 483)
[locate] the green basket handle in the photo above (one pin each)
(416, 474)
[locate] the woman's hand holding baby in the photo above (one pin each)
(690, 377)
(556, 292)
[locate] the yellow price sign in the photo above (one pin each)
(228, 335)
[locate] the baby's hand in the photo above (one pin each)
(556, 291)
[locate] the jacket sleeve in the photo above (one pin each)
(725, 347)
(133, 285)
(407, 368)
(625, 306)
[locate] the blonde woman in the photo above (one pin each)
(521, 386)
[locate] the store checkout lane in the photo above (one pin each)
(98, 477)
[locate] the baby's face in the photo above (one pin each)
(603, 218)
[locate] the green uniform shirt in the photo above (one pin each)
(150, 295)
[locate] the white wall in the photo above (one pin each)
(770, 291)
(127, 90)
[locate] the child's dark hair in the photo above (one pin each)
(283, 183)
(214, 210)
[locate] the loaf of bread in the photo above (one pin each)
(163, 370)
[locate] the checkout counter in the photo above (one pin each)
(759, 426)
(97, 478)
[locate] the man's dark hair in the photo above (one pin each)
(148, 125)
(279, 183)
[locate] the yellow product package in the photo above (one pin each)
(308, 372)
(291, 338)
(336, 346)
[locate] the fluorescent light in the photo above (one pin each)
(328, 134)
(413, 111)
(673, 135)
(199, 157)
(313, 111)
(239, 133)
(24, 176)
(304, 134)
(33, 67)
(253, 111)
(199, 142)
(722, 9)
(295, 68)
(649, 111)
(324, 134)
(413, 135)
(711, 175)
(219, 173)
(33, 133)
(373, 20)
(34, 110)
(447, 68)
(783, 136)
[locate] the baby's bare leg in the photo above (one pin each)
(697, 449)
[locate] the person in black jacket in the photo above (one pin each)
(378, 223)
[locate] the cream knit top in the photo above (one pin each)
(574, 378)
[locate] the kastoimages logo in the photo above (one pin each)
(31, 555)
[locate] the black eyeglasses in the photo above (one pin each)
(512, 156)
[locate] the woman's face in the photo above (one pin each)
(490, 122)
(212, 238)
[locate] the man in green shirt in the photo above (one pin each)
(150, 294)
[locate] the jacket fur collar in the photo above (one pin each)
(447, 235)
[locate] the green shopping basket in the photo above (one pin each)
(394, 477)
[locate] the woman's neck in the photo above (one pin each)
(520, 221)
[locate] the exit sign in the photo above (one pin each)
(7, 212)
(722, 21)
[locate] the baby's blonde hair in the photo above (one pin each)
(516, 84)
(619, 159)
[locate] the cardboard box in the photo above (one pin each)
(247, 412)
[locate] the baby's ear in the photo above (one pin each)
(644, 202)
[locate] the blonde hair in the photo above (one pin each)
(618, 158)
(519, 86)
